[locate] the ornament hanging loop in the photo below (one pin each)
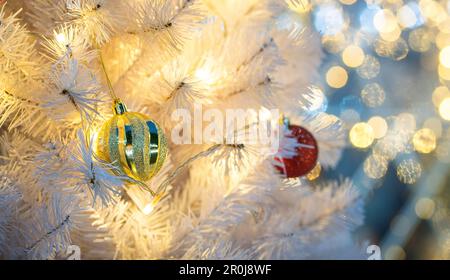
(284, 121)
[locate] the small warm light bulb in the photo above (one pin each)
(336, 77)
(379, 126)
(353, 56)
(204, 75)
(424, 141)
(61, 38)
(148, 209)
(361, 135)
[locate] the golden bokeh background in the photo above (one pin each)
(386, 74)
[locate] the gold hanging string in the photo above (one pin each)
(108, 81)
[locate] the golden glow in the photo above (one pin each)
(353, 56)
(424, 141)
(444, 109)
(361, 135)
(315, 173)
(425, 208)
(379, 126)
(444, 57)
(337, 77)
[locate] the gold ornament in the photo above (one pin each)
(132, 142)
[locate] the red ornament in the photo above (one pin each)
(307, 154)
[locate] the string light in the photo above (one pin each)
(61, 38)
(336, 77)
(148, 209)
(424, 141)
(361, 135)
(353, 56)
(379, 126)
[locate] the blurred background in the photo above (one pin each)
(386, 74)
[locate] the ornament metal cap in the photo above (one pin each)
(119, 107)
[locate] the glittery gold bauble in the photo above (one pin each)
(133, 143)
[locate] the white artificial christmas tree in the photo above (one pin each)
(218, 200)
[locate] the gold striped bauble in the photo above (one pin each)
(133, 143)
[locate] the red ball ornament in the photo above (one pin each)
(306, 156)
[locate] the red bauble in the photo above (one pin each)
(307, 154)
